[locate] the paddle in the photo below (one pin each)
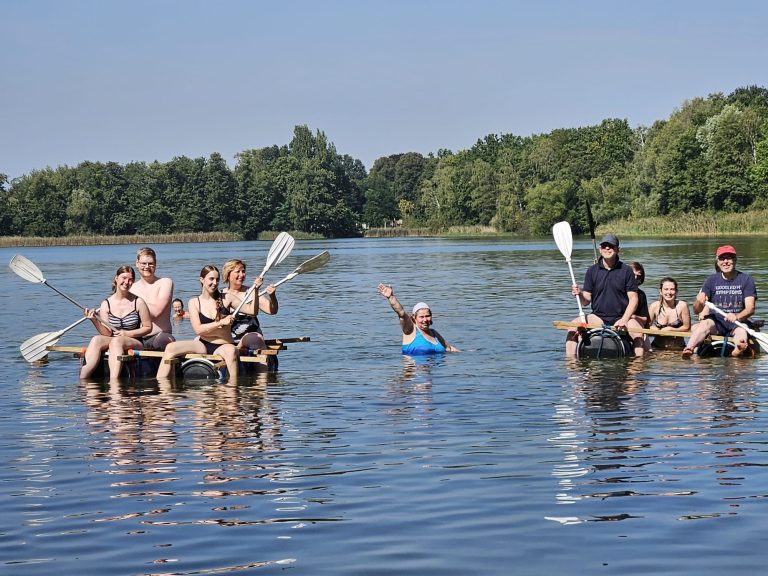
(761, 339)
(564, 240)
(312, 264)
(35, 348)
(591, 223)
(280, 248)
(28, 270)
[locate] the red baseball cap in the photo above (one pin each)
(725, 250)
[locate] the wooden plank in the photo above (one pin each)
(560, 325)
(256, 357)
(273, 341)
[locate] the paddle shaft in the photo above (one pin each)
(591, 222)
(578, 297)
(761, 339)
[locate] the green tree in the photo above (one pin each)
(546, 204)
(728, 140)
(381, 206)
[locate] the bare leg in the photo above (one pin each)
(117, 346)
(572, 337)
(252, 341)
(229, 353)
(699, 332)
(96, 346)
(739, 341)
(638, 338)
(175, 349)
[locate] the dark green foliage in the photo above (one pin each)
(711, 154)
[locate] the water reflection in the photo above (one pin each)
(411, 391)
(682, 444)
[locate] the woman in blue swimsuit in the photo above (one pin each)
(418, 337)
(211, 319)
(129, 317)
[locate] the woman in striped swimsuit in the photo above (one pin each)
(129, 318)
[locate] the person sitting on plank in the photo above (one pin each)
(641, 313)
(129, 317)
(211, 319)
(669, 314)
(246, 330)
(418, 336)
(732, 291)
(157, 292)
(610, 287)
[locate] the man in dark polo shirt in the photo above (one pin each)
(610, 287)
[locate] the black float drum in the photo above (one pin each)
(602, 343)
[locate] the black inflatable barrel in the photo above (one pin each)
(199, 369)
(602, 343)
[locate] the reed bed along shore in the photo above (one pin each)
(32, 241)
(753, 223)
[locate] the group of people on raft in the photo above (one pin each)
(611, 287)
(137, 315)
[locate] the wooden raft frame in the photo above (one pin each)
(274, 347)
(560, 325)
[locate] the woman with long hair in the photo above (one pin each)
(128, 316)
(211, 319)
(669, 314)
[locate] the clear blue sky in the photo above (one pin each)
(144, 80)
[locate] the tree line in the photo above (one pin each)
(711, 154)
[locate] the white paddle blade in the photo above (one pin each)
(312, 264)
(35, 348)
(563, 238)
(27, 269)
(281, 247)
(762, 341)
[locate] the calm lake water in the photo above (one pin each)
(503, 459)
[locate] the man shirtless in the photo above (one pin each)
(157, 293)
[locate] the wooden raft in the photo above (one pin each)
(273, 348)
(560, 325)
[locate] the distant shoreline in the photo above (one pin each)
(146, 239)
(695, 225)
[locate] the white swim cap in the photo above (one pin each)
(419, 306)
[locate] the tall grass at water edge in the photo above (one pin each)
(753, 223)
(83, 240)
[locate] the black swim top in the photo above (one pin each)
(222, 311)
(676, 324)
(130, 321)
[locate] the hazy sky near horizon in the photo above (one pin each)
(145, 80)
